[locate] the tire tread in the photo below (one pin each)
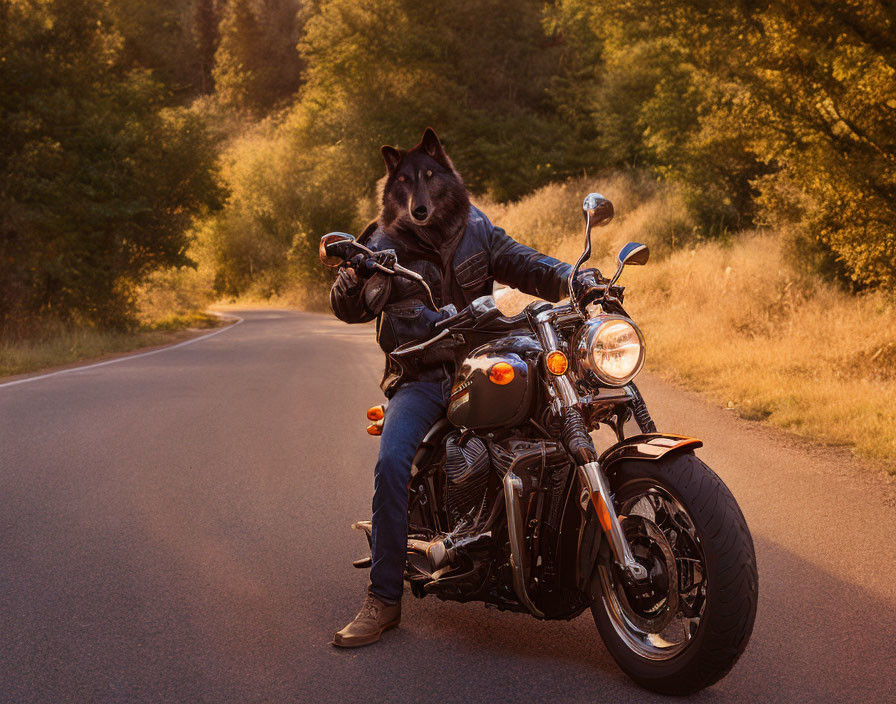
(731, 566)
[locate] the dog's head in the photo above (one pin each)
(423, 189)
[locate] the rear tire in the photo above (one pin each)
(731, 580)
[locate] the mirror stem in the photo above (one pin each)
(613, 281)
(582, 259)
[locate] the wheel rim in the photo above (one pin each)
(657, 623)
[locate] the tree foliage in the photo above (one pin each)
(257, 65)
(778, 112)
(379, 72)
(99, 181)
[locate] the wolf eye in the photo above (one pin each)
(429, 174)
(402, 179)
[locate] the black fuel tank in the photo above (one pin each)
(484, 396)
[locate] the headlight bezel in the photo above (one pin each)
(588, 336)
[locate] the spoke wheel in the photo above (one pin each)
(659, 616)
(684, 627)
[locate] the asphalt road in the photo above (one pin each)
(175, 528)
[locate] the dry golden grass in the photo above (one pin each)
(734, 320)
(169, 309)
(298, 297)
(60, 345)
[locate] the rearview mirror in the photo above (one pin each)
(598, 210)
(633, 253)
(334, 248)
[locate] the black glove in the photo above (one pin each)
(366, 266)
(347, 283)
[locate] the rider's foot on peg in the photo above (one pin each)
(372, 620)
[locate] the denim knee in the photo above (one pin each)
(393, 474)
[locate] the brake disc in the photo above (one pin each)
(649, 604)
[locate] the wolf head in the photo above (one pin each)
(423, 193)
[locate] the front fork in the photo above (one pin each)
(596, 488)
(580, 446)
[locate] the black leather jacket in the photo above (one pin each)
(481, 255)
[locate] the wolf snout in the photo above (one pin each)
(420, 212)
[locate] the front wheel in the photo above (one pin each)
(684, 627)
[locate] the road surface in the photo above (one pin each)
(175, 528)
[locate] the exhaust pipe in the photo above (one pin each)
(439, 552)
(513, 490)
(513, 487)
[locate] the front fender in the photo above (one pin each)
(649, 446)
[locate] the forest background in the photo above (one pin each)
(160, 156)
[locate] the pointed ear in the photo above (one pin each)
(392, 157)
(432, 146)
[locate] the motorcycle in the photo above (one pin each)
(511, 504)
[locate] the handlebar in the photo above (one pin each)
(481, 311)
(341, 248)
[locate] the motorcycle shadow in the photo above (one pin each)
(818, 637)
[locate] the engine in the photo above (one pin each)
(467, 466)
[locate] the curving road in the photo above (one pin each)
(175, 528)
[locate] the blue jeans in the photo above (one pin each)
(410, 414)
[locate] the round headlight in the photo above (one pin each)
(612, 348)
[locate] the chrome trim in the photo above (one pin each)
(612, 396)
(550, 341)
(592, 477)
(418, 546)
(591, 209)
(402, 351)
(513, 486)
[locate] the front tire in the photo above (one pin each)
(690, 530)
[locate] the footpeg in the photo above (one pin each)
(443, 551)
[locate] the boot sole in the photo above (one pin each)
(366, 640)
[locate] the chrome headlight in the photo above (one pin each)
(612, 347)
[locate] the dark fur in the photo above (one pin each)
(409, 186)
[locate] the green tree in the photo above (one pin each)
(380, 72)
(257, 65)
(158, 36)
(99, 181)
(654, 104)
(206, 33)
(780, 111)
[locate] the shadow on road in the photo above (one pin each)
(818, 637)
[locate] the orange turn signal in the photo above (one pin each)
(501, 373)
(375, 429)
(556, 362)
(376, 413)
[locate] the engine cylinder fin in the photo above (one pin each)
(467, 465)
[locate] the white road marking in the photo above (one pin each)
(126, 357)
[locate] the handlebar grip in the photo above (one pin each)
(456, 319)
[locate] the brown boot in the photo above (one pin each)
(374, 618)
